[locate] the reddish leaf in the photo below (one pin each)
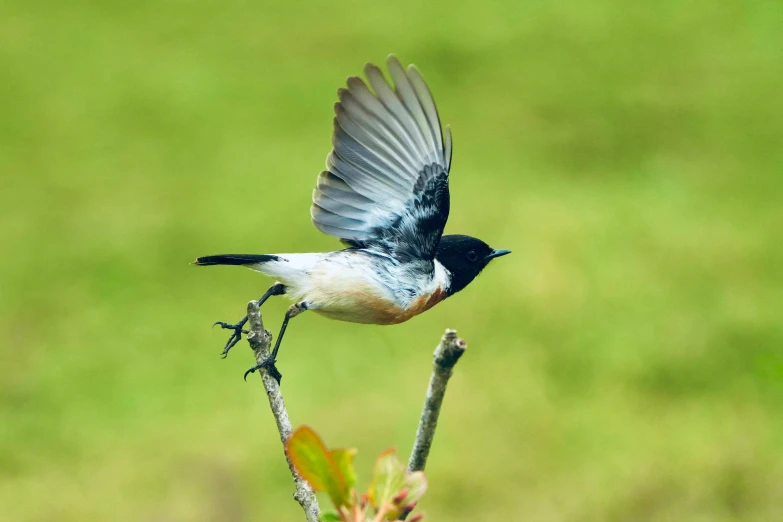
(317, 465)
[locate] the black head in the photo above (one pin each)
(465, 257)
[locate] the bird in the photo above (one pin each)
(385, 196)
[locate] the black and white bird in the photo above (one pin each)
(385, 195)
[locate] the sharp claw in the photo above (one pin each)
(269, 364)
(251, 370)
(235, 337)
(225, 326)
(232, 341)
(274, 372)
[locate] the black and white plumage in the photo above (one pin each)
(385, 194)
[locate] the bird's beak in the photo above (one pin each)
(497, 253)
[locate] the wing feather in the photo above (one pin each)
(425, 100)
(400, 115)
(386, 183)
(411, 102)
(447, 148)
(392, 147)
(371, 152)
(385, 118)
(341, 208)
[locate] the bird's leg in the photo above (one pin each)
(275, 289)
(269, 362)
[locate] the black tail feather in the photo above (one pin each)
(235, 259)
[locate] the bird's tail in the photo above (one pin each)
(235, 259)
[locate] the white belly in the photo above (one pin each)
(359, 288)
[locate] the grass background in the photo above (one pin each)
(625, 363)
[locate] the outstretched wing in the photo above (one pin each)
(386, 186)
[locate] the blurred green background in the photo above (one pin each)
(624, 364)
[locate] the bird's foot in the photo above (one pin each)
(269, 365)
(235, 337)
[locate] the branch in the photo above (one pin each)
(259, 340)
(447, 354)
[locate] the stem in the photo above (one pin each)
(447, 354)
(381, 513)
(259, 340)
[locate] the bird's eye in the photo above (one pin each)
(471, 255)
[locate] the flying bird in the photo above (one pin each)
(385, 195)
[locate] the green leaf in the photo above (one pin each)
(317, 465)
(388, 479)
(344, 460)
(415, 486)
(330, 516)
(393, 486)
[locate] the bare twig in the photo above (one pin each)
(259, 340)
(447, 354)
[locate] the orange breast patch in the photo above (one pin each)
(359, 307)
(422, 304)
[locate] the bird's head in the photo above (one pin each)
(465, 257)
